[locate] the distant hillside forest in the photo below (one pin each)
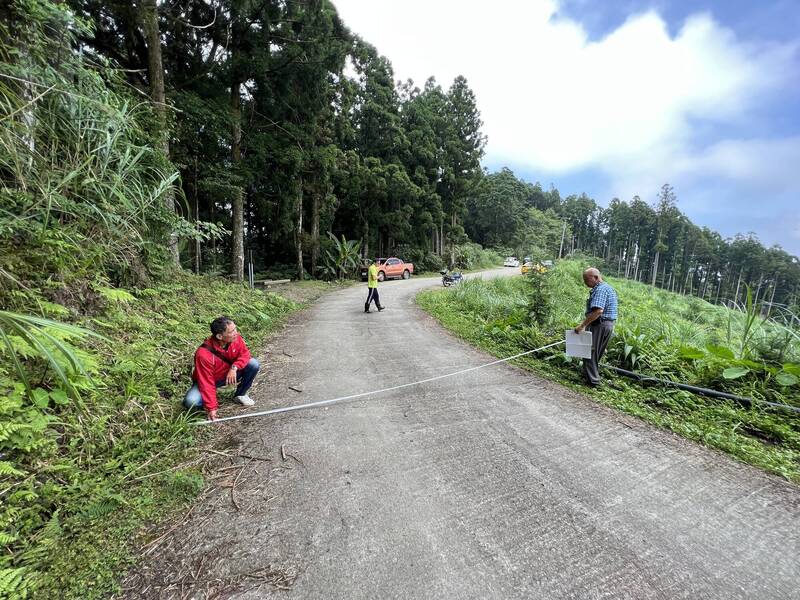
(140, 135)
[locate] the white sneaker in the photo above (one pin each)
(245, 400)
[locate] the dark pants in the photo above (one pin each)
(601, 334)
(244, 378)
(372, 296)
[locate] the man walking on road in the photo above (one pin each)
(601, 313)
(372, 287)
(222, 359)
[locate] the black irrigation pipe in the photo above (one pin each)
(702, 391)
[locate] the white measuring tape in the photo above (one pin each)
(275, 411)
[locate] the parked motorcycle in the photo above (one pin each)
(449, 278)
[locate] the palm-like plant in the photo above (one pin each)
(342, 259)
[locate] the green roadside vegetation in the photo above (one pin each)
(83, 475)
(659, 333)
(98, 323)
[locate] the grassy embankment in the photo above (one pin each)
(88, 477)
(658, 333)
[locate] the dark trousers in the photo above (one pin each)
(601, 334)
(372, 296)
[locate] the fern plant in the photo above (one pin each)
(42, 337)
(14, 583)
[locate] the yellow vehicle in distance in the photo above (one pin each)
(535, 267)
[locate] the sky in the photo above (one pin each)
(616, 97)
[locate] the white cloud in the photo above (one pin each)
(756, 167)
(556, 101)
(767, 163)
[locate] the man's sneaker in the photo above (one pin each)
(245, 400)
(380, 308)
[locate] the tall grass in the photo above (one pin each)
(498, 298)
(657, 333)
(78, 176)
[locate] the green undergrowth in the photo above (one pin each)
(81, 478)
(506, 316)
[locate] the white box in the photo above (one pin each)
(579, 345)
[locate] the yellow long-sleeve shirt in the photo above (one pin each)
(372, 276)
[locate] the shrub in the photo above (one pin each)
(474, 256)
(430, 262)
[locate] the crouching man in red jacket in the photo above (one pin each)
(222, 359)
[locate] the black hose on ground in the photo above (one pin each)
(703, 391)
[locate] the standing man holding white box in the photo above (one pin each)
(601, 313)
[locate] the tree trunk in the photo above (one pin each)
(197, 248)
(453, 223)
(655, 269)
(198, 251)
(701, 285)
(772, 297)
(237, 256)
(758, 289)
(237, 250)
(315, 201)
(212, 215)
(738, 284)
(628, 259)
(298, 231)
(155, 72)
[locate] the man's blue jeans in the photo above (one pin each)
(244, 378)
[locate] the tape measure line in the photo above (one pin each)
(276, 411)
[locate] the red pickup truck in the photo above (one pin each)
(389, 268)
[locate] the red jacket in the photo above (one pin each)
(209, 369)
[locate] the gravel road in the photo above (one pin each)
(496, 484)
